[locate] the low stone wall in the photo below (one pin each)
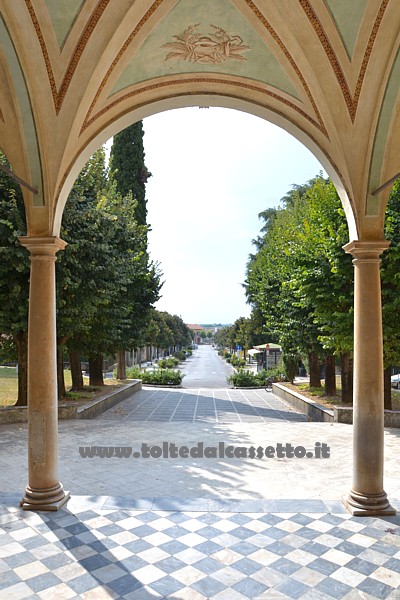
(72, 410)
(344, 414)
(95, 407)
(316, 412)
(19, 414)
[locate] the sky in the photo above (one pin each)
(213, 171)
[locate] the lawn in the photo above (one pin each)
(318, 395)
(9, 387)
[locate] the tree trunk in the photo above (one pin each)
(96, 370)
(315, 365)
(61, 391)
(330, 376)
(387, 396)
(76, 370)
(21, 343)
(346, 360)
(121, 365)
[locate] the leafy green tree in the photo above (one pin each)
(242, 334)
(106, 287)
(130, 174)
(180, 331)
(140, 278)
(301, 279)
(390, 274)
(79, 274)
(325, 284)
(221, 338)
(14, 280)
(159, 333)
(268, 283)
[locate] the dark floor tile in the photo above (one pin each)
(375, 588)
(7, 579)
(170, 564)
(250, 588)
(321, 565)
(96, 561)
(125, 584)
(208, 565)
(43, 582)
(334, 588)
(315, 548)
(292, 589)
(208, 586)
(361, 566)
(167, 586)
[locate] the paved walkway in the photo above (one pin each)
(205, 368)
(200, 405)
(226, 528)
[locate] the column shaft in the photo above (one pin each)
(44, 491)
(367, 496)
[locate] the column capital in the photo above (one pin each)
(368, 250)
(43, 246)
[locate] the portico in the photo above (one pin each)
(74, 74)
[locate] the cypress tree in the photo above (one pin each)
(128, 167)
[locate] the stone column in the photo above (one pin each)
(44, 491)
(367, 496)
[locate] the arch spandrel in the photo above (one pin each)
(295, 63)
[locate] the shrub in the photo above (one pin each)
(159, 376)
(162, 377)
(168, 363)
(276, 375)
(236, 361)
(133, 373)
(243, 378)
(180, 355)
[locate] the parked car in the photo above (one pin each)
(395, 381)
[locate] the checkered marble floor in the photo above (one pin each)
(99, 548)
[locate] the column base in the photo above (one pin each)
(360, 505)
(51, 499)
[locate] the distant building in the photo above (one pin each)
(196, 330)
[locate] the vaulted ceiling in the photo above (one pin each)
(74, 72)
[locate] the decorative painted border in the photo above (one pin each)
(122, 50)
(291, 60)
(351, 101)
(201, 79)
(59, 95)
(318, 123)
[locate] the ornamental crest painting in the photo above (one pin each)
(215, 47)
